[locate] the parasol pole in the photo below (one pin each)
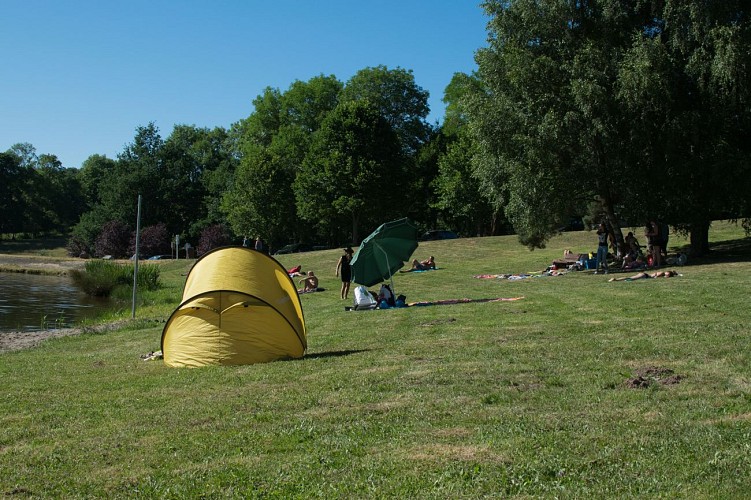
(391, 275)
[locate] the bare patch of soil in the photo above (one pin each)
(649, 375)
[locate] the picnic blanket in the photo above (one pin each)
(418, 270)
(522, 276)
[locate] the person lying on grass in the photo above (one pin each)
(643, 275)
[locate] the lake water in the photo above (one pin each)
(31, 302)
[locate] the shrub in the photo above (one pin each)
(100, 277)
(84, 234)
(76, 247)
(113, 239)
(213, 237)
(155, 240)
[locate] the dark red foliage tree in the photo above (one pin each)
(213, 237)
(114, 240)
(155, 240)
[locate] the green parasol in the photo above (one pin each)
(384, 252)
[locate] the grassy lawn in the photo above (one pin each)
(583, 388)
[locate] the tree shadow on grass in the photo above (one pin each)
(738, 250)
(334, 354)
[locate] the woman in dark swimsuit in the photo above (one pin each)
(344, 270)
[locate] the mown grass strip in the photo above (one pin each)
(527, 398)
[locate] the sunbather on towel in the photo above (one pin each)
(295, 271)
(643, 275)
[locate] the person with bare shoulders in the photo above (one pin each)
(633, 251)
(428, 263)
(652, 232)
(344, 269)
(643, 275)
(311, 283)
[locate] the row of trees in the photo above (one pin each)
(323, 162)
(619, 110)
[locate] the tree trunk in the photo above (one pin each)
(699, 238)
(614, 224)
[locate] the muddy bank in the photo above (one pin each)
(34, 264)
(14, 341)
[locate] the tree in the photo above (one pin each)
(612, 101)
(466, 205)
(261, 201)
(94, 172)
(213, 236)
(305, 104)
(58, 195)
(114, 239)
(12, 201)
(352, 172)
(154, 240)
(273, 140)
(692, 69)
(396, 96)
(45, 196)
(138, 170)
(459, 194)
(185, 158)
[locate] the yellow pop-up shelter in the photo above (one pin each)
(239, 307)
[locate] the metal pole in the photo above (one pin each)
(391, 276)
(135, 264)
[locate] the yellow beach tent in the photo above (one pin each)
(239, 307)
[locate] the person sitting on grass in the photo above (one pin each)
(428, 263)
(633, 252)
(311, 283)
(421, 266)
(643, 275)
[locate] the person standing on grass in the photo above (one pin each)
(344, 269)
(652, 232)
(602, 248)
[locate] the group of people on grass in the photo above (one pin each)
(344, 269)
(630, 255)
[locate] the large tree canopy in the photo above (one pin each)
(38, 194)
(352, 173)
(631, 104)
(396, 96)
(273, 141)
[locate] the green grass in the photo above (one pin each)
(525, 398)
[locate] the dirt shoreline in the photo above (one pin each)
(16, 341)
(32, 264)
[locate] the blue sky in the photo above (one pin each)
(78, 77)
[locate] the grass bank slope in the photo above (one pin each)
(583, 388)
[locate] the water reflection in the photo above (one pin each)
(36, 302)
